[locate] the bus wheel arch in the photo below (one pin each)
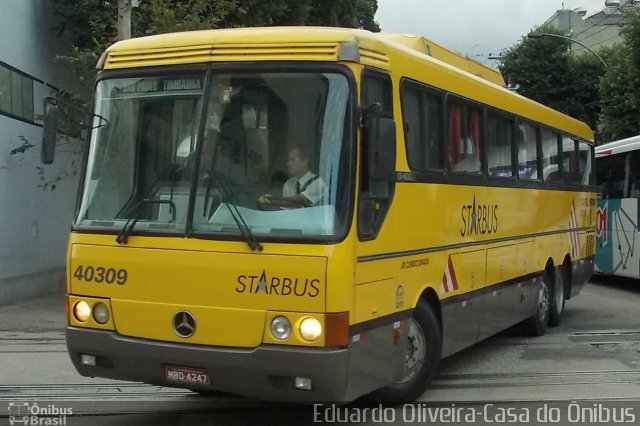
(424, 349)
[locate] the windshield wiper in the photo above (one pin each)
(136, 211)
(127, 229)
(229, 199)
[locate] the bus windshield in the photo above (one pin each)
(269, 150)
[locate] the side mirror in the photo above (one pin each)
(381, 147)
(49, 133)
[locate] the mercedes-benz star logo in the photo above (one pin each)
(184, 324)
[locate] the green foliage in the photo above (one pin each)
(620, 88)
(92, 24)
(583, 99)
(543, 69)
(155, 17)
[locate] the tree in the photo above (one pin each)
(92, 24)
(620, 87)
(543, 69)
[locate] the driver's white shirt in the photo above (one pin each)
(316, 192)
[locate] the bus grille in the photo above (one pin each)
(374, 58)
(223, 53)
(258, 52)
(591, 245)
(151, 57)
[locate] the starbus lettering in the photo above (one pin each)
(279, 286)
(479, 219)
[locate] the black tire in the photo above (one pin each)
(556, 307)
(536, 325)
(424, 348)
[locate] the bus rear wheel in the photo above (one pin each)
(424, 347)
(556, 307)
(536, 325)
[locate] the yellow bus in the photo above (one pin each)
(315, 214)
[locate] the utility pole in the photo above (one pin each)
(124, 19)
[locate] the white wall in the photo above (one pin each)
(34, 223)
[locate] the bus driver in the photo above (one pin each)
(303, 189)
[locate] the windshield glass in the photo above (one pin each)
(139, 160)
(274, 155)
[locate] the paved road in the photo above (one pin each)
(592, 358)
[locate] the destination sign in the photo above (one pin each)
(156, 85)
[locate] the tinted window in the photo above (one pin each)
(550, 158)
(527, 152)
(499, 145)
(570, 162)
(465, 134)
(422, 116)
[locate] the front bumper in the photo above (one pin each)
(267, 372)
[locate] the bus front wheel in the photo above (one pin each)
(424, 347)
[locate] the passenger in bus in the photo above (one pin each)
(303, 188)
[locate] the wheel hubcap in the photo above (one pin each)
(416, 349)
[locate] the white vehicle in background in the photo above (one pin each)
(618, 238)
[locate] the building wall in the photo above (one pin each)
(34, 220)
(601, 29)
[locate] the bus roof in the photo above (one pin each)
(619, 146)
(444, 70)
(433, 49)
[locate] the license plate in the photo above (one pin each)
(188, 375)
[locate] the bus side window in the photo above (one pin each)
(465, 134)
(499, 146)
(584, 163)
(422, 114)
(611, 171)
(527, 152)
(550, 157)
(570, 164)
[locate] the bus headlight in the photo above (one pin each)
(82, 311)
(310, 329)
(280, 328)
(101, 313)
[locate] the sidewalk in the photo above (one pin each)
(42, 314)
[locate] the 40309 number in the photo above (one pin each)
(99, 275)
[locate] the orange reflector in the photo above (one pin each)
(398, 335)
(336, 329)
(66, 308)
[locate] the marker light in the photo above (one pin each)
(82, 311)
(310, 329)
(101, 313)
(280, 328)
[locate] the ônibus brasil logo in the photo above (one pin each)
(32, 414)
